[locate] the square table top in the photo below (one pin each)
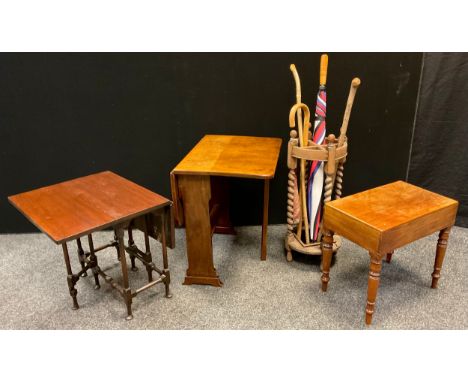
(397, 212)
(230, 155)
(77, 207)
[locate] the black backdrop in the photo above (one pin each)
(68, 115)
(439, 159)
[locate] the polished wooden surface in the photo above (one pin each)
(440, 254)
(383, 219)
(230, 155)
(81, 206)
(200, 194)
(387, 217)
(201, 268)
(373, 281)
(266, 202)
(219, 206)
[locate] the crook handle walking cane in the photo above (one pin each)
(292, 123)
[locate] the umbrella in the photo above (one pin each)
(316, 177)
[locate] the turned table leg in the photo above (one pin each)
(266, 197)
(116, 240)
(389, 257)
(166, 272)
(127, 293)
(93, 262)
(373, 285)
(81, 256)
(71, 278)
(131, 242)
(440, 254)
(327, 253)
(149, 257)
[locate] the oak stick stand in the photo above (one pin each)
(334, 158)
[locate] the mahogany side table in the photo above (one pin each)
(70, 210)
(200, 194)
(383, 219)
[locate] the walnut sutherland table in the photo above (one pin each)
(70, 210)
(200, 194)
(383, 219)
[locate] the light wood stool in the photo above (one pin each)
(383, 219)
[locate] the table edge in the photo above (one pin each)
(451, 204)
(95, 229)
(234, 175)
(216, 173)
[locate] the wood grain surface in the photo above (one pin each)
(77, 207)
(387, 217)
(201, 268)
(383, 219)
(229, 155)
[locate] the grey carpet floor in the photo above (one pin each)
(272, 294)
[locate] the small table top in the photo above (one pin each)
(77, 207)
(391, 215)
(229, 155)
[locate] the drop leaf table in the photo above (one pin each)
(73, 209)
(200, 194)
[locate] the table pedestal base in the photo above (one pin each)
(205, 202)
(203, 280)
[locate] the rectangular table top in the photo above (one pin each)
(387, 217)
(230, 155)
(77, 207)
(391, 205)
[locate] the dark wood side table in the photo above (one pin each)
(383, 219)
(200, 194)
(70, 210)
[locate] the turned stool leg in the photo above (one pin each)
(389, 257)
(327, 253)
(440, 254)
(373, 285)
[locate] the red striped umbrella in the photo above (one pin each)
(316, 176)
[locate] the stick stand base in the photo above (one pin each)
(293, 243)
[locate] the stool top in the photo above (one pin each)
(77, 207)
(231, 155)
(398, 210)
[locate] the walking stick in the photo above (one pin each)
(349, 105)
(300, 129)
(303, 130)
(292, 123)
(344, 128)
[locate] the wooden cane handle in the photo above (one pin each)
(292, 114)
(349, 105)
(298, 82)
(301, 127)
(323, 69)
